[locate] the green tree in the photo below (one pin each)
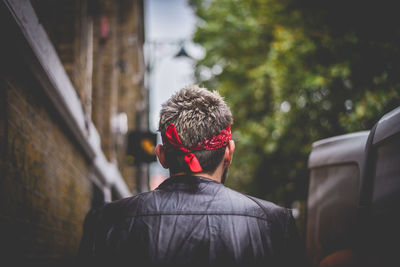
(294, 72)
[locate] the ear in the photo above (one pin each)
(161, 155)
(230, 148)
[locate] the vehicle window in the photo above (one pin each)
(384, 232)
(386, 192)
(332, 203)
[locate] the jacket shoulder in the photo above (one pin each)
(262, 208)
(122, 208)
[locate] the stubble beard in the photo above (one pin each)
(224, 175)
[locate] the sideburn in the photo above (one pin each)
(224, 175)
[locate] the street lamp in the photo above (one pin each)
(151, 53)
(157, 50)
(182, 53)
(141, 142)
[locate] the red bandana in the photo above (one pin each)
(171, 138)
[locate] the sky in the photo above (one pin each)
(167, 22)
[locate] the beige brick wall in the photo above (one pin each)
(107, 74)
(44, 186)
(45, 179)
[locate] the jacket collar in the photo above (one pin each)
(185, 179)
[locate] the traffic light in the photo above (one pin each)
(141, 146)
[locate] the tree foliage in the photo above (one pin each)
(294, 72)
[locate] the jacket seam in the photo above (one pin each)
(195, 213)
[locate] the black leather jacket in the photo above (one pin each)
(192, 221)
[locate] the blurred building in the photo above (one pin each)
(71, 88)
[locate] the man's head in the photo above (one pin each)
(197, 114)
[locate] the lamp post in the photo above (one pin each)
(155, 51)
(137, 140)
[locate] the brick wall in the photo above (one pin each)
(131, 79)
(118, 71)
(69, 26)
(106, 74)
(105, 66)
(47, 171)
(44, 186)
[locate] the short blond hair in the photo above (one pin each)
(197, 114)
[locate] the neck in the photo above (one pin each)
(216, 176)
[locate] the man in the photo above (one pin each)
(192, 219)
